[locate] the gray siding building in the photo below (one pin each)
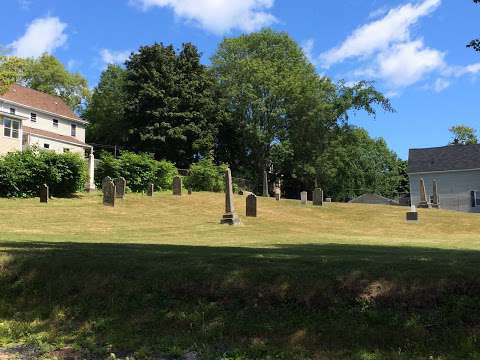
(456, 168)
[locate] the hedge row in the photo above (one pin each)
(22, 173)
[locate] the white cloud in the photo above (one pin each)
(441, 84)
(219, 16)
(43, 35)
(114, 57)
(378, 35)
(24, 4)
(307, 48)
(458, 71)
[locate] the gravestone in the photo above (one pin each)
(278, 193)
(190, 191)
(436, 197)
(265, 184)
(177, 186)
(150, 189)
(44, 193)
(328, 200)
(318, 197)
(230, 217)
(304, 197)
(109, 194)
(412, 215)
(120, 186)
(251, 205)
(423, 204)
(105, 180)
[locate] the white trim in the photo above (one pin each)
(62, 141)
(13, 116)
(441, 171)
(81, 121)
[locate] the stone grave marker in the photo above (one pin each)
(44, 193)
(436, 196)
(251, 205)
(278, 194)
(423, 204)
(230, 217)
(328, 200)
(105, 180)
(177, 186)
(120, 186)
(304, 197)
(150, 189)
(318, 197)
(412, 215)
(190, 191)
(109, 193)
(265, 184)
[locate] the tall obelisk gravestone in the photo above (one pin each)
(265, 185)
(230, 217)
(436, 197)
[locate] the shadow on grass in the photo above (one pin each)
(298, 301)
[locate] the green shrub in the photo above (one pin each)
(206, 176)
(22, 173)
(138, 169)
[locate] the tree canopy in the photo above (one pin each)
(463, 135)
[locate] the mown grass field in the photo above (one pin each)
(161, 276)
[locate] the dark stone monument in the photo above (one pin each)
(150, 189)
(423, 204)
(190, 191)
(230, 217)
(412, 215)
(105, 180)
(44, 193)
(265, 185)
(318, 197)
(109, 194)
(436, 197)
(304, 197)
(120, 186)
(177, 186)
(251, 205)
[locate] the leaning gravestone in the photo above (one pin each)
(318, 197)
(150, 189)
(177, 186)
(251, 205)
(109, 194)
(230, 217)
(412, 215)
(304, 197)
(120, 185)
(44, 193)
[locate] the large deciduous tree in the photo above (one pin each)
(12, 70)
(172, 107)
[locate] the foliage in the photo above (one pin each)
(463, 135)
(138, 170)
(206, 176)
(354, 164)
(23, 173)
(475, 44)
(105, 110)
(172, 108)
(12, 70)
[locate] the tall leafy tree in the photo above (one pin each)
(106, 108)
(463, 135)
(12, 70)
(172, 107)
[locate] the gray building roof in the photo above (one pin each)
(452, 157)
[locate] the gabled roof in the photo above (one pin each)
(452, 157)
(38, 100)
(54, 136)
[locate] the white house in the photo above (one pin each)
(33, 118)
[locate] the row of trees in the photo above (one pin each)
(260, 105)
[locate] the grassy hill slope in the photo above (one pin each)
(160, 275)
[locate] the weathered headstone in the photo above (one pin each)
(265, 185)
(436, 196)
(328, 200)
(105, 181)
(109, 194)
(412, 215)
(230, 217)
(150, 189)
(423, 204)
(120, 186)
(177, 186)
(251, 205)
(44, 193)
(278, 193)
(304, 197)
(318, 197)
(190, 191)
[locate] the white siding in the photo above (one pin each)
(454, 188)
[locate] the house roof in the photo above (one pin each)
(54, 136)
(369, 198)
(446, 158)
(39, 100)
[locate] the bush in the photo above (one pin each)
(23, 172)
(138, 169)
(206, 176)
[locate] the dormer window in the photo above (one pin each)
(33, 117)
(55, 123)
(12, 111)
(73, 130)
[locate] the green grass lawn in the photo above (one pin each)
(161, 276)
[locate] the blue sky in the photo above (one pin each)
(413, 49)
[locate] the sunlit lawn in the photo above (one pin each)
(161, 276)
